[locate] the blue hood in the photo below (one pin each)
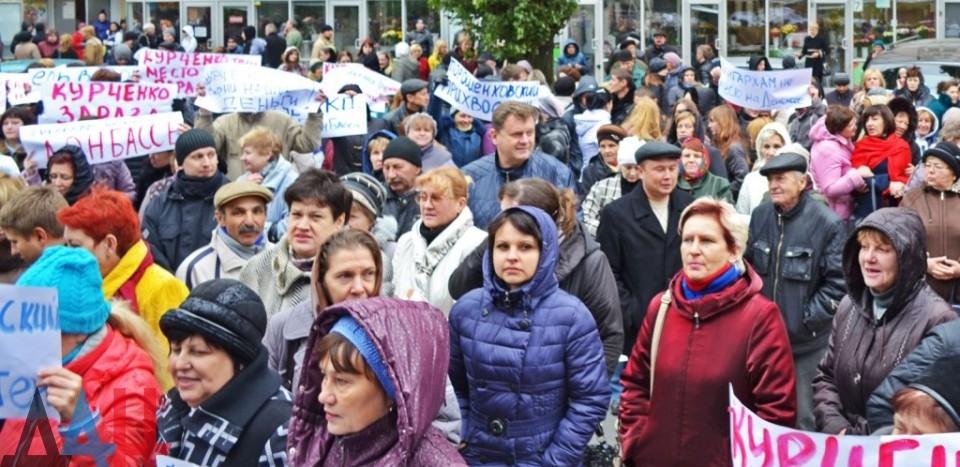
(567, 42)
(365, 154)
(544, 280)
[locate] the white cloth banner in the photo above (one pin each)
(71, 101)
(241, 88)
(345, 116)
(765, 90)
(373, 84)
(29, 342)
(18, 89)
(76, 74)
(755, 442)
(104, 140)
(480, 98)
(184, 69)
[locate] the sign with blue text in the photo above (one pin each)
(344, 115)
(765, 90)
(29, 342)
(480, 98)
(240, 88)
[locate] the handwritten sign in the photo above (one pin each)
(480, 98)
(167, 461)
(104, 140)
(765, 90)
(756, 442)
(344, 116)
(373, 84)
(71, 101)
(79, 74)
(184, 69)
(238, 88)
(18, 90)
(29, 342)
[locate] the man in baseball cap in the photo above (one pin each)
(241, 213)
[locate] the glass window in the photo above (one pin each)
(746, 29)
(234, 20)
(581, 28)
(830, 18)
(788, 27)
(311, 16)
(164, 15)
(624, 17)
(704, 28)
(199, 18)
(952, 20)
(869, 25)
(271, 12)
(916, 20)
(664, 15)
(384, 17)
(346, 27)
(135, 16)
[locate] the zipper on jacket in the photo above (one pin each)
(776, 274)
(696, 319)
(943, 221)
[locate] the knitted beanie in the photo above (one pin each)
(192, 140)
(947, 152)
(366, 190)
(353, 332)
(404, 148)
(75, 273)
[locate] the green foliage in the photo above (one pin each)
(511, 29)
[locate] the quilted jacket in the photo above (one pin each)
(527, 366)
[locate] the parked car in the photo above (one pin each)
(938, 60)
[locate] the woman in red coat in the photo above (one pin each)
(718, 330)
(886, 155)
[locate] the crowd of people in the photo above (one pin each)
(450, 291)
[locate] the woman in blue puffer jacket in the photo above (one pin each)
(526, 359)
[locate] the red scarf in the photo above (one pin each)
(871, 151)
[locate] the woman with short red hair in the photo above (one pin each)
(105, 223)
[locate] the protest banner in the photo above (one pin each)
(103, 140)
(344, 115)
(257, 90)
(18, 90)
(480, 98)
(184, 69)
(373, 84)
(756, 442)
(167, 461)
(78, 74)
(29, 342)
(764, 90)
(71, 101)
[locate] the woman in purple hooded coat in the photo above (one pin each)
(373, 381)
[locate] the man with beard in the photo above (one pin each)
(228, 129)
(401, 166)
(241, 212)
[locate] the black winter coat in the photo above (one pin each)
(941, 343)
(595, 171)
(554, 138)
(864, 350)
(403, 208)
(798, 256)
(642, 256)
(583, 271)
(273, 54)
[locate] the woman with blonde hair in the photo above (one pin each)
(93, 49)
(11, 265)
(644, 121)
(422, 129)
(725, 134)
(440, 50)
(872, 79)
(65, 50)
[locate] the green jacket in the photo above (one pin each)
(708, 185)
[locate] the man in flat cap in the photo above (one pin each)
(241, 213)
(415, 96)
(841, 94)
(795, 245)
(638, 233)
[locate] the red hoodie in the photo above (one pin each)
(871, 151)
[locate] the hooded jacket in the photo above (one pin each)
(939, 209)
(527, 366)
(365, 163)
(572, 60)
(940, 105)
(926, 142)
(413, 340)
(688, 423)
(587, 124)
(487, 177)
(754, 63)
(862, 349)
(833, 174)
(119, 384)
(797, 254)
(187, 41)
(82, 176)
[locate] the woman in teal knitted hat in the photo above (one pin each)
(107, 380)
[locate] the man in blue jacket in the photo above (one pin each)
(516, 157)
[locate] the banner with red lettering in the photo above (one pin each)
(104, 140)
(756, 442)
(72, 101)
(184, 69)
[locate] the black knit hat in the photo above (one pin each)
(367, 190)
(940, 383)
(222, 311)
(404, 148)
(192, 140)
(948, 152)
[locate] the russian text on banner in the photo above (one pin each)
(765, 90)
(240, 88)
(373, 84)
(344, 115)
(184, 69)
(72, 101)
(17, 90)
(480, 98)
(757, 442)
(29, 342)
(104, 140)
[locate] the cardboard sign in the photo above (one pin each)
(373, 84)
(237, 88)
(184, 69)
(480, 98)
(344, 116)
(756, 442)
(29, 342)
(765, 90)
(71, 101)
(104, 140)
